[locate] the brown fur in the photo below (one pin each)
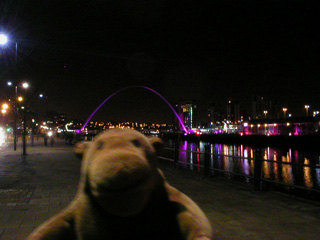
(123, 195)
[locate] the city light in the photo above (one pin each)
(5, 106)
(25, 85)
(3, 39)
(307, 108)
(265, 112)
(2, 136)
(285, 111)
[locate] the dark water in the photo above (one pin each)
(288, 166)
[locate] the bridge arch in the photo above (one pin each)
(126, 88)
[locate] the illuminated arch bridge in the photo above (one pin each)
(126, 88)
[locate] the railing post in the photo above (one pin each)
(206, 164)
(176, 153)
(257, 174)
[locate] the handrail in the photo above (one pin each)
(240, 157)
(257, 178)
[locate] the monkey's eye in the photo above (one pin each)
(100, 145)
(136, 143)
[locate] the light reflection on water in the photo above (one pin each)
(225, 157)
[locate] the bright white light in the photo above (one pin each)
(5, 106)
(25, 85)
(41, 95)
(9, 83)
(2, 136)
(69, 130)
(50, 133)
(3, 39)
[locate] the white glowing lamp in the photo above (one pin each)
(3, 39)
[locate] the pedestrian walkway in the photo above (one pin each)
(36, 186)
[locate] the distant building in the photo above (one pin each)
(211, 115)
(186, 112)
(289, 126)
(264, 108)
(54, 119)
(233, 111)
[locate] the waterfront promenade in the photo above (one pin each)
(36, 186)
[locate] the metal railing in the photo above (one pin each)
(257, 179)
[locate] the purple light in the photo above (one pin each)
(150, 89)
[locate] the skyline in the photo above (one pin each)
(79, 53)
(232, 113)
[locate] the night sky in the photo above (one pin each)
(80, 52)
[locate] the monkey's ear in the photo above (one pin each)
(80, 148)
(156, 143)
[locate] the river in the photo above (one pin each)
(282, 165)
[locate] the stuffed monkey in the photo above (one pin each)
(123, 195)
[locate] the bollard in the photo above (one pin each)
(206, 164)
(32, 137)
(176, 154)
(257, 173)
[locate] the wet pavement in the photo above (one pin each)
(36, 186)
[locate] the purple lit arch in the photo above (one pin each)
(150, 89)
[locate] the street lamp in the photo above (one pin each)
(3, 39)
(284, 112)
(17, 98)
(25, 85)
(5, 106)
(265, 112)
(307, 108)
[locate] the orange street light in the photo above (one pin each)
(5, 106)
(307, 108)
(285, 112)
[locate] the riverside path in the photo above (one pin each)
(36, 186)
